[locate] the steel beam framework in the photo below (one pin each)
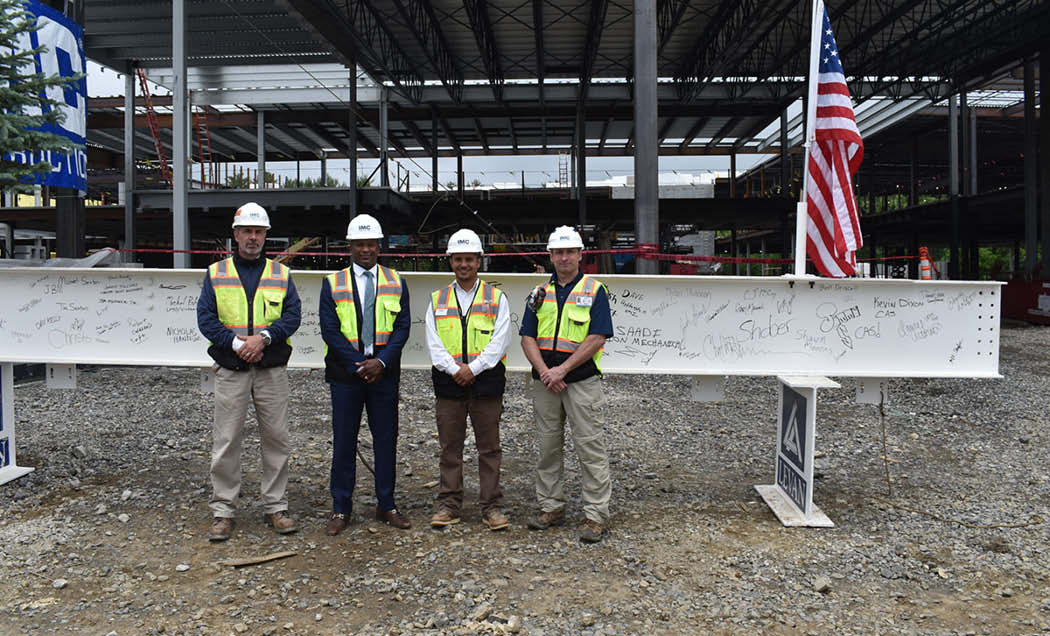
(477, 11)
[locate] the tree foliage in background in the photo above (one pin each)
(19, 92)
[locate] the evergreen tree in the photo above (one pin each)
(20, 91)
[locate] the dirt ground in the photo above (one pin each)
(691, 549)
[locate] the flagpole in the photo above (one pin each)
(802, 214)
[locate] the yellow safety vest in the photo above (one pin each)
(481, 321)
(232, 302)
(565, 336)
(388, 304)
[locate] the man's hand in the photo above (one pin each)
(557, 387)
(553, 375)
(252, 349)
(464, 377)
(370, 370)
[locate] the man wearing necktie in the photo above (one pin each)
(364, 316)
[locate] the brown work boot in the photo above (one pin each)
(281, 522)
(545, 520)
(221, 529)
(443, 517)
(495, 519)
(337, 523)
(592, 532)
(394, 518)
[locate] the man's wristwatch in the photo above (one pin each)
(266, 337)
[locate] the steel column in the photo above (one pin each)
(572, 170)
(351, 141)
(732, 175)
(971, 155)
(260, 149)
(180, 218)
(1044, 165)
(964, 122)
(1031, 186)
(785, 158)
(384, 177)
(129, 162)
(581, 159)
(953, 185)
(434, 148)
(459, 175)
(646, 155)
(913, 186)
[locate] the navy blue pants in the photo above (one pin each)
(348, 400)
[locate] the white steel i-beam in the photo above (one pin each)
(646, 155)
(180, 132)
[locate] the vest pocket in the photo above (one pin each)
(479, 331)
(273, 303)
(577, 321)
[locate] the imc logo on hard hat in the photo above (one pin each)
(564, 237)
(463, 241)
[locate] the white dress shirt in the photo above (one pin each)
(493, 351)
(359, 280)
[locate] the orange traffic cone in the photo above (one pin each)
(926, 266)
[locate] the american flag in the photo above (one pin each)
(833, 231)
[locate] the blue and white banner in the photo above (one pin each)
(63, 40)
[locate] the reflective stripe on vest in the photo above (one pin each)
(567, 335)
(232, 302)
(388, 304)
(481, 321)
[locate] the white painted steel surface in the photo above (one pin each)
(9, 468)
(664, 324)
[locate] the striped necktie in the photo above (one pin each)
(368, 313)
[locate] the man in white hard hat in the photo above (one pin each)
(248, 309)
(365, 320)
(562, 334)
(468, 330)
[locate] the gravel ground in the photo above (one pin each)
(109, 535)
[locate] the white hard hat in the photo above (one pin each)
(364, 226)
(564, 237)
(251, 214)
(464, 241)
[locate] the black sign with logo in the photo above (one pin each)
(793, 428)
(792, 483)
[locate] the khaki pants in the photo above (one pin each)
(234, 390)
(580, 404)
(452, 432)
